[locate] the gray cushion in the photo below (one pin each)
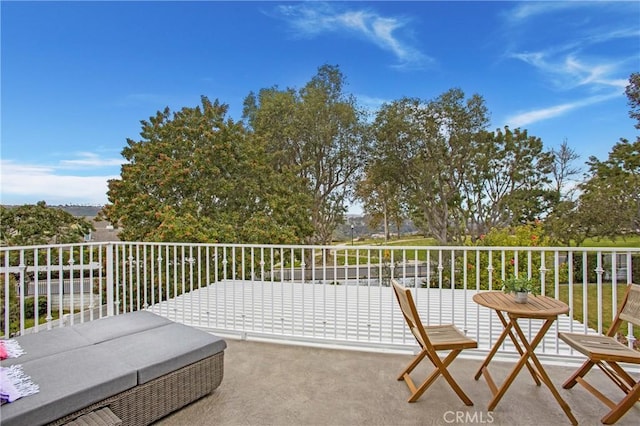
(68, 381)
(162, 350)
(48, 342)
(120, 325)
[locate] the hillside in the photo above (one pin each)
(75, 210)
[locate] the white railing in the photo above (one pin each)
(322, 294)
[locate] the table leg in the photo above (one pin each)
(524, 358)
(540, 369)
(532, 370)
(511, 377)
(507, 331)
(496, 346)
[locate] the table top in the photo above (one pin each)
(542, 307)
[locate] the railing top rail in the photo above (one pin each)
(52, 246)
(372, 247)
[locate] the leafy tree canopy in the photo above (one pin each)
(435, 160)
(197, 176)
(610, 201)
(318, 133)
(35, 224)
(609, 204)
(633, 95)
(287, 173)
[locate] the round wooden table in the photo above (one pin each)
(542, 308)
(538, 307)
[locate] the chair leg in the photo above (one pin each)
(624, 380)
(571, 381)
(454, 385)
(441, 369)
(623, 406)
(413, 364)
(424, 386)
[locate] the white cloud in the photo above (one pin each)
(613, 34)
(524, 11)
(29, 183)
(529, 117)
(575, 58)
(311, 19)
(90, 159)
(576, 63)
(570, 72)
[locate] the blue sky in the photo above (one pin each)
(77, 77)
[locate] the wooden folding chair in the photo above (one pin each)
(606, 352)
(431, 339)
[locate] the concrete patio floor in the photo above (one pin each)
(278, 384)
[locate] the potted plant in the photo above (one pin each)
(521, 286)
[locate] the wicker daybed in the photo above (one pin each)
(138, 366)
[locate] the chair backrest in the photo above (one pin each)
(410, 313)
(630, 309)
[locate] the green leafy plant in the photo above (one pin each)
(515, 284)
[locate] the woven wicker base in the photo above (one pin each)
(144, 404)
(101, 417)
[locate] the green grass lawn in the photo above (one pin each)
(416, 240)
(409, 240)
(30, 322)
(351, 253)
(592, 304)
(624, 241)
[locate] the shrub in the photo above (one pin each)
(30, 303)
(506, 263)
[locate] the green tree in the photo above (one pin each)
(506, 181)
(381, 189)
(563, 171)
(444, 159)
(609, 204)
(34, 224)
(198, 176)
(381, 202)
(455, 178)
(562, 224)
(633, 96)
(318, 133)
(425, 150)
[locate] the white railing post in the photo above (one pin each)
(6, 333)
(22, 290)
(110, 281)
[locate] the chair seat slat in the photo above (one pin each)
(601, 347)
